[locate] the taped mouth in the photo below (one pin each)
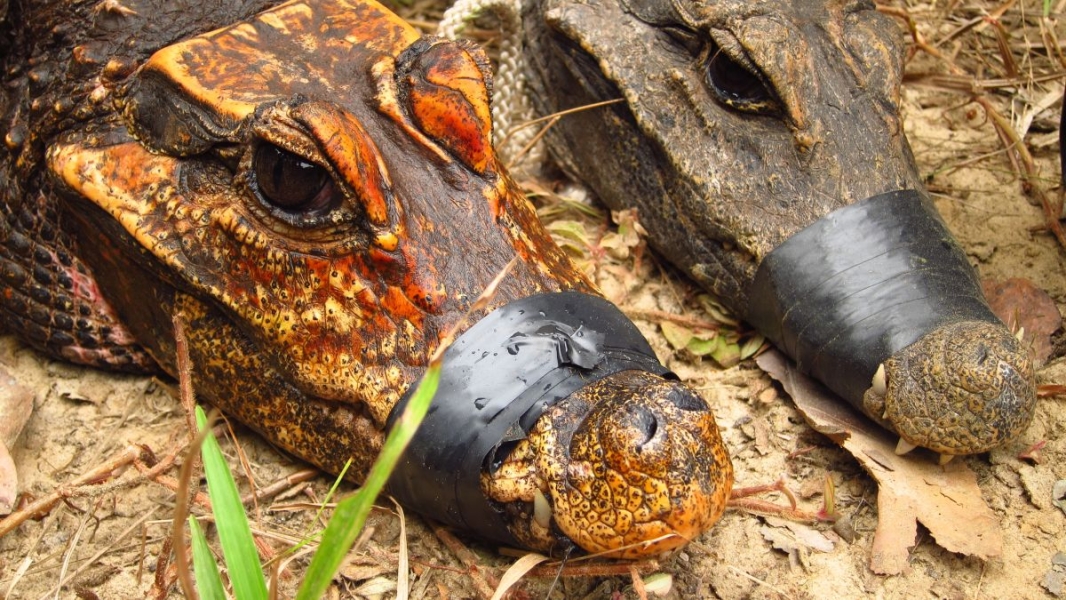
(497, 379)
(879, 302)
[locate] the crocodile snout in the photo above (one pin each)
(554, 408)
(963, 388)
(644, 474)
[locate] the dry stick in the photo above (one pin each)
(247, 468)
(1027, 172)
(159, 582)
(182, 492)
(1051, 42)
(280, 485)
(739, 499)
(551, 120)
(485, 582)
(1021, 159)
(68, 554)
(971, 85)
(597, 569)
(110, 547)
(658, 315)
(1004, 48)
(403, 567)
(187, 395)
(181, 510)
(86, 485)
(638, 583)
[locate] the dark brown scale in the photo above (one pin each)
(749, 124)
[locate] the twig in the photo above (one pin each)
(1026, 170)
(280, 485)
(484, 582)
(107, 548)
(658, 315)
(85, 485)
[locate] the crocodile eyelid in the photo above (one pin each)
(736, 85)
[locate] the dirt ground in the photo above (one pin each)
(106, 544)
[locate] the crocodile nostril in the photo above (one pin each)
(686, 400)
(646, 423)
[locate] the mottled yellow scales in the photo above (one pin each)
(313, 188)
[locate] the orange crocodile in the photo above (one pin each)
(313, 188)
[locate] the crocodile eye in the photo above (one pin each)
(290, 182)
(737, 87)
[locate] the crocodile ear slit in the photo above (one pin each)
(445, 91)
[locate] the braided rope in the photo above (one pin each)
(510, 105)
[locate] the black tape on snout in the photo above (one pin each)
(496, 381)
(862, 283)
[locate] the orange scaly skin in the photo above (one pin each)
(314, 190)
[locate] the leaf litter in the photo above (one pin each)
(911, 489)
(977, 188)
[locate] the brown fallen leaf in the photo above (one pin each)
(16, 406)
(9, 482)
(1020, 303)
(911, 489)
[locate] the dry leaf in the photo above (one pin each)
(376, 587)
(9, 482)
(795, 539)
(92, 391)
(516, 572)
(802, 535)
(16, 406)
(911, 489)
(627, 239)
(1058, 494)
(1055, 578)
(1020, 303)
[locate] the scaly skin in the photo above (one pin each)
(618, 477)
(742, 124)
(313, 191)
(957, 411)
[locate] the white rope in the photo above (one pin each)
(510, 101)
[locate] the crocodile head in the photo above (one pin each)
(314, 192)
(740, 124)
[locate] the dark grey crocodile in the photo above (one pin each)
(762, 144)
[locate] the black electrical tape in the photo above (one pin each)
(860, 284)
(497, 379)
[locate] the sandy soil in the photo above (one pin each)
(107, 544)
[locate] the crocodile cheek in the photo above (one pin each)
(647, 471)
(321, 318)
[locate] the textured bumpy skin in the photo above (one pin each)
(312, 188)
(742, 124)
(954, 411)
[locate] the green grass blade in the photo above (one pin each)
(351, 513)
(208, 579)
(238, 547)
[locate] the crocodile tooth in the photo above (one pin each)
(1020, 333)
(542, 510)
(904, 447)
(878, 381)
(945, 459)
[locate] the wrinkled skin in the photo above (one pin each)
(313, 192)
(742, 124)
